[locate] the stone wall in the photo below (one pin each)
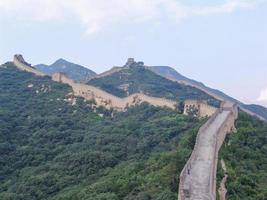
(22, 65)
(184, 191)
(109, 72)
(203, 109)
(226, 127)
(101, 97)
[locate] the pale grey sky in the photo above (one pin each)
(219, 42)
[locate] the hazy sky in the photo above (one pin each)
(222, 43)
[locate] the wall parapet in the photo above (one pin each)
(227, 126)
(183, 190)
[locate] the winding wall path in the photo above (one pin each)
(100, 97)
(198, 178)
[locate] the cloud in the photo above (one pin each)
(263, 95)
(98, 15)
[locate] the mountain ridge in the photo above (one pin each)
(136, 77)
(164, 71)
(109, 100)
(74, 71)
(168, 72)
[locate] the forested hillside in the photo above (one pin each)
(53, 148)
(245, 155)
(139, 79)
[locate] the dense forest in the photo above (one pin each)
(139, 79)
(52, 148)
(245, 155)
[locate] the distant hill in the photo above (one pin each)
(170, 73)
(135, 77)
(260, 110)
(73, 71)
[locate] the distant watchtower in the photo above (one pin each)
(130, 62)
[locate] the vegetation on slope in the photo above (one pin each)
(139, 79)
(245, 153)
(53, 150)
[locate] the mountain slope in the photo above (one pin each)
(260, 110)
(74, 71)
(138, 78)
(170, 73)
(53, 149)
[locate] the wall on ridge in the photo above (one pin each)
(21, 64)
(105, 99)
(226, 127)
(202, 108)
(101, 97)
(109, 72)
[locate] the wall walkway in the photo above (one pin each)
(198, 178)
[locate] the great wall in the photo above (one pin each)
(184, 82)
(108, 100)
(218, 97)
(23, 65)
(103, 98)
(198, 178)
(202, 108)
